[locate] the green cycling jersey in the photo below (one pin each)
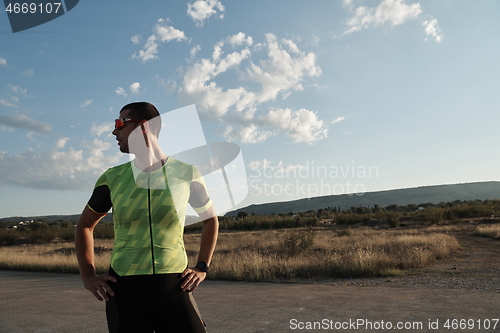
(149, 210)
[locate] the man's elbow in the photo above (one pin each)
(212, 222)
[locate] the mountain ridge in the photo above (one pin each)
(414, 195)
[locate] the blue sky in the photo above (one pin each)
(323, 97)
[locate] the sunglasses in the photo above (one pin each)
(120, 122)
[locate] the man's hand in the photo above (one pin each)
(97, 285)
(192, 279)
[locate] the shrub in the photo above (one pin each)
(391, 217)
(40, 236)
(296, 242)
(259, 222)
(104, 231)
(8, 237)
(434, 215)
(352, 218)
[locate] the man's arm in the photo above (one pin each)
(209, 232)
(84, 245)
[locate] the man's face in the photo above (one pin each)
(122, 134)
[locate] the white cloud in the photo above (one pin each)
(257, 165)
(346, 3)
(22, 121)
(3, 62)
(6, 103)
(265, 164)
(282, 72)
(135, 39)
(18, 90)
(97, 157)
(278, 74)
(195, 50)
(301, 125)
(57, 170)
(135, 88)
(162, 33)
(170, 85)
(432, 29)
(394, 12)
(150, 49)
(211, 99)
(61, 142)
(201, 10)
(336, 120)
(99, 129)
(86, 103)
(14, 98)
(121, 91)
(239, 39)
(4, 128)
(247, 134)
(168, 33)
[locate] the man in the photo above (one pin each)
(149, 287)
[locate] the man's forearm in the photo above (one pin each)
(209, 234)
(84, 246)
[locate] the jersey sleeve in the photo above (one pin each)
(198, 196)
(100, 201)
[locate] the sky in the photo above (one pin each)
(322, 97)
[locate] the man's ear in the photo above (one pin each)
(145, 129)
(145, 126)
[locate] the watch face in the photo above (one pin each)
(202, 266)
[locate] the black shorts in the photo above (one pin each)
(152, 303)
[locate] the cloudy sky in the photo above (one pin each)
(323, 97)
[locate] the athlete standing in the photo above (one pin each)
(149, 287)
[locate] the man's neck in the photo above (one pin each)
(150, 162)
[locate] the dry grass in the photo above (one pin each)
(266, 256)
(260, 256)
(41, 258)
(492, 231)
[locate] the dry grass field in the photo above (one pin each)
(491, 231)
(312, 254)
(275, 255)
(50, 257)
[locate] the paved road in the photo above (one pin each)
(51, 302)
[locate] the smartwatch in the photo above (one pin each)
(202, 266)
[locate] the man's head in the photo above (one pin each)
(132, 116)
(146, 111)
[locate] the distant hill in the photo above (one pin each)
(50, 218)
(401, 197)
(76, 217)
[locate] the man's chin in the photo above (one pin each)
(124, 149)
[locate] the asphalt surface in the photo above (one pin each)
(51, 302)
